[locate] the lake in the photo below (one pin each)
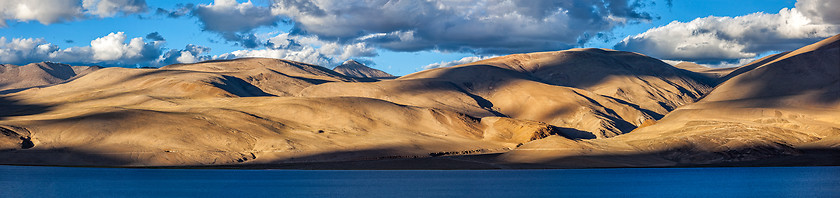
(31, 181)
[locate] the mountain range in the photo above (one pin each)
(576, 108)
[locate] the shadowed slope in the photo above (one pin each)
(809, 74)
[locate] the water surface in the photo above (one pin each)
(27, 181)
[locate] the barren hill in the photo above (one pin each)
(13, 77)
(359, 70)
(588, 92)
(786, 108)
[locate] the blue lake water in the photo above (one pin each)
(21, 181)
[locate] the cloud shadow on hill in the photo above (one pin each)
(11, 107)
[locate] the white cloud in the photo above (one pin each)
(232, 20)
(117, 49)
(306, 54)
(465, 60)
(821, 11)
(44, 11)
(307, 49)
(228, 16)
(190, 54)
(114, 49)
(109, 8)
(738, 63)
(186, 57)
(18, 50)
(722, 40)
(447, 25)
(52, 11)
(482, 26)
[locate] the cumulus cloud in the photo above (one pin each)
(36, 10)
(230, 16)
(53, 11)
(306, 55)
(479, 26)
(179, 11)
(465, 60)
(155, 36)
(114, 49)
(821, 11)
(482, 26)
(730, 40)
(190, 54)
(21, 50)
(108, 8)
(117, 49)
(235, 21)
(308, 49)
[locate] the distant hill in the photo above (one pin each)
(13, 77)
(356, 69)
(716, 75)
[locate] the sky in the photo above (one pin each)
(402, 37)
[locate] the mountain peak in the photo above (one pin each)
(356, 69)
(352, 62)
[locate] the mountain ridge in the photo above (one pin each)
(575, 108)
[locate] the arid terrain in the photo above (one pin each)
(577, 108)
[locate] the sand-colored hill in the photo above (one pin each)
(273, 76)
(788, 107)
(16, 78)
(359, 70)
(217, 131)
(588, 92)
(631, 77)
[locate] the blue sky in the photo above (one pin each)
(400, 37)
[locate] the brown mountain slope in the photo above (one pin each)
(217, 113)
(215, 131)
(786, 108)
(632, 77)
(273, 76)
(590, 92)
(14, 77)
(359, 70)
